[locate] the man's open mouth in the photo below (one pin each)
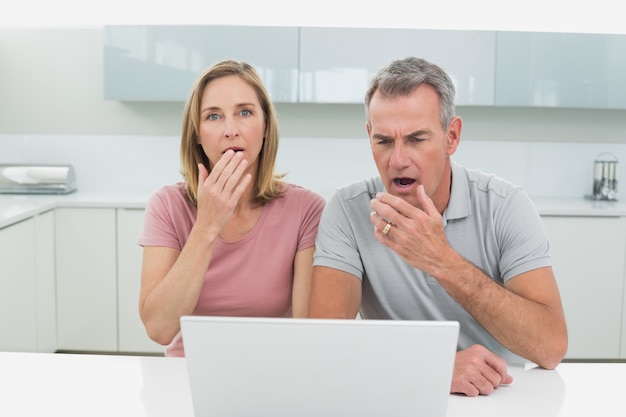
(404, 182)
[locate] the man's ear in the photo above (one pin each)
(453, 135)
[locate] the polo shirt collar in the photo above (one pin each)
(459, 204)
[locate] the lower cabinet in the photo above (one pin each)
(132, 334)
(98, 280)
(588, 257)
(27, 288)
(45, 282)
(98, 276)
(18, 294)
(86, 279)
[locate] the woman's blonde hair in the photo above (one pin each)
(268, 185)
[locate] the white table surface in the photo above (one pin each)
(49, 384)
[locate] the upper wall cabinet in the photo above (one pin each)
(161, 63)
(336, 64)
(561, 70)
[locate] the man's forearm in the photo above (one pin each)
(525, 316)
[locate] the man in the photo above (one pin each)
(431, 240)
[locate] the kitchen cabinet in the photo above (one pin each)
(488, 68)
(132, 334)
(341, 73)
(86, 279)
(588, 259)
(18, 293)
(27, 304)
(98, 280)
(45, 282)
(161, 63)
(575, 70)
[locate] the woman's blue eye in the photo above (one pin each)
(213, 116)
(245, 112)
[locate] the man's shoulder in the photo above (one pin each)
(366, 188)
(486, 182)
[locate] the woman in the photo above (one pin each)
(233, 239)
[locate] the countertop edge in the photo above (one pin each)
(15, 208)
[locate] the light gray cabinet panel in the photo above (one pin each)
(160, 63)
(131, 331)
(86, 279)
(588, 255)
(45, 281)
(561, 70)
(27, 285)
(18, 292)
(336, 64)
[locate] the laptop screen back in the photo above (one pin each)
(315, 367)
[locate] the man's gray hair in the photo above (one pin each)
(401, 77)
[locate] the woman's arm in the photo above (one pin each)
(302, 272)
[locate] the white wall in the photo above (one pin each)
(140, 164)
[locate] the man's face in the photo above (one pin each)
(409, 145)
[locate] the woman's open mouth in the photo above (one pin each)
(233, 149)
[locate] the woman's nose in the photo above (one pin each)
(230, 129)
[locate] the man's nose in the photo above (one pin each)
(398, 156)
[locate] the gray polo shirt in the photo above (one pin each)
(489, 221)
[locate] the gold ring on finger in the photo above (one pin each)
(386, 228)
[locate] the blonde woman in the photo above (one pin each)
(233, 238)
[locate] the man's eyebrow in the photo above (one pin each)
(381, 136)
(419, 132)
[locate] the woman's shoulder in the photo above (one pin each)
(170, 194)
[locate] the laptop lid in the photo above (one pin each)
(286, 367)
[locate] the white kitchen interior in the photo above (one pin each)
(69, 275)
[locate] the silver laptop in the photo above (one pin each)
(284, 367)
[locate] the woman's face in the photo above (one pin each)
(231, 117)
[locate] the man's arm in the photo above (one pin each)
(337, 294)
(525, 314)
(334, 294)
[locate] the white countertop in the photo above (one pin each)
(68, 385)
(14, 208)
(578, 207)
(17, 207)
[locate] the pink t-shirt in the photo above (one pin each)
(252, 276)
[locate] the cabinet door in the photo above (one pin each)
(45, 282)
(561, 70)
(336, 64)
(86, 279)
(161, 63)
(588, 257)
(18, 320)
(132, 333)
